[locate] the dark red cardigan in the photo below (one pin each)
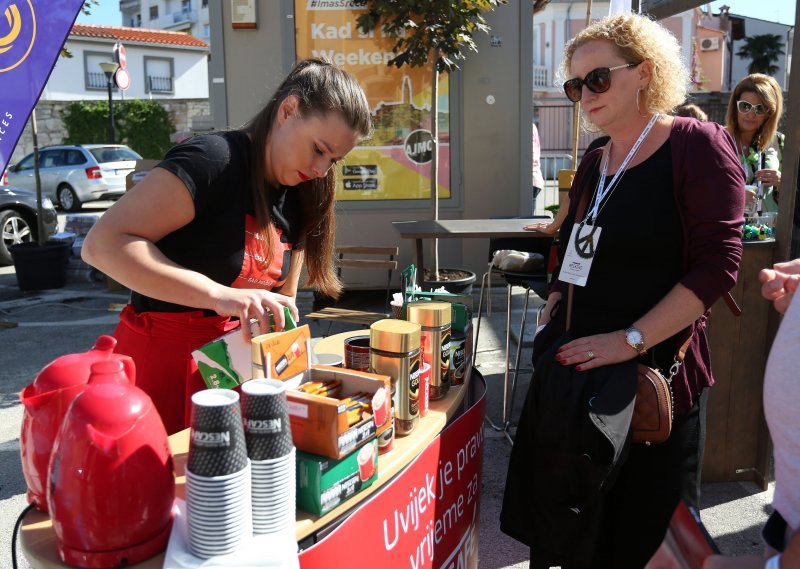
(709, 192)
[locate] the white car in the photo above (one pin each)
(74, 174)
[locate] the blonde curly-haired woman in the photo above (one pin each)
(651, 241)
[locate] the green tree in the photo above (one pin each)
(86, 122)
(144, 125)
(763, 52)
(436, 32)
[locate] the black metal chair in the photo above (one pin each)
(536, 281)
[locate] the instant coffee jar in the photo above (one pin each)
(434, 318)
(457, 358)
(394, 351)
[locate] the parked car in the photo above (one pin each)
(74, 174)
(18, 219)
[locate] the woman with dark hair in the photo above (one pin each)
(218, 232)
(754, 110)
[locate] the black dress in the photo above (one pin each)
(639, 259)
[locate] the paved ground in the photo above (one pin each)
(68, 320)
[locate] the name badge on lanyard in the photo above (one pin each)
(578, 259)
(585, 235)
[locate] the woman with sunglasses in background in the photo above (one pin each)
(752, 119)
(651, 240)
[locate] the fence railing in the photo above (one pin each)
(159, 84)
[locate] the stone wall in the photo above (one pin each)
(186, 115)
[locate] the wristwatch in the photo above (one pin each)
(635, 339)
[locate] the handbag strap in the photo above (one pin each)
(583, 202)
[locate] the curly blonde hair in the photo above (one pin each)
(638, 38)
(769, 91)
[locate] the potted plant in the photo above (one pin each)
(439, 34)
(39, 264)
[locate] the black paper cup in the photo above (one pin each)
(216, 442)
(267, 432)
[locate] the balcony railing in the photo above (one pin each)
(541, 77)
(129, 5)
(184, 16)
(96, 81)
(159, 84)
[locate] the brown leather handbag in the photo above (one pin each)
(651, 422)
(652, 412)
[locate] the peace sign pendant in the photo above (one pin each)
(585, 245)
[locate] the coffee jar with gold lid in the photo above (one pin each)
(394, 351)
(434, 319)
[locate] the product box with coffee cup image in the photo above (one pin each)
(281, 355)
(225, 362)
(342, 412)
(324, 483)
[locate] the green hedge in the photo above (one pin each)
(144, 125)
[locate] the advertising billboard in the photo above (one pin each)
(395, 163)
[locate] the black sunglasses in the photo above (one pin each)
(745, 107)
(597, 81)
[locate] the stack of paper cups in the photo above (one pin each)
(268, 437)
(217, 475)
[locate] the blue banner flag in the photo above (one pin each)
(32, 33)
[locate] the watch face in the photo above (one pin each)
(634, 338)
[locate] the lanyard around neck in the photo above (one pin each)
(602, 190)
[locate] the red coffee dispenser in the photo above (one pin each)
(46, 401)
(111, 479)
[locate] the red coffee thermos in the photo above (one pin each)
(46, 401)
(111, 478)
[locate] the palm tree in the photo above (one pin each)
(763, 51)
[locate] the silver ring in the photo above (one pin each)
(590, 353)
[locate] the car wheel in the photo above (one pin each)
(14, 229)
(68, 199)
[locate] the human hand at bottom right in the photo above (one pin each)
(779, 283)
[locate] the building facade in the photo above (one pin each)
(188, 16)
(167, 66)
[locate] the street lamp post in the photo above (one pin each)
(109, 68)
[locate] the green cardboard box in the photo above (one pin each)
(226, 363)
(323, 483)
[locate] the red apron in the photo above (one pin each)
(161, 345)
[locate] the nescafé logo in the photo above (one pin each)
(17, 33)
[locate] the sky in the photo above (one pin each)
(107, 12)
(781, 11)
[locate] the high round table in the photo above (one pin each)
(38, 540)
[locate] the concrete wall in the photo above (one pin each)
(253, 61)
(491, 141)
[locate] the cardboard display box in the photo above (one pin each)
(324, 483)
(228, 361)
(319, 424)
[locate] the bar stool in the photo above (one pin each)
(537, 282)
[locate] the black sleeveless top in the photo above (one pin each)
(639, 256)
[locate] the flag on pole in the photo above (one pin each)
(32, 33)
(617, 7)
